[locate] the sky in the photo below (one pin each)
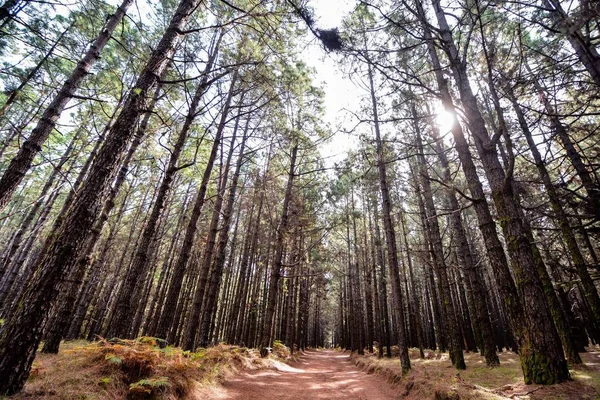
(340, 92)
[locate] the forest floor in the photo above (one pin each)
(318, 374)
(142, 369)
(435, 378)
(138, 369)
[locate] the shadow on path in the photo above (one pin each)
(323, 374)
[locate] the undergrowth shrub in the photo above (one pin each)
(281, 350)
(149, 369)
(150, 386)
(144, 368)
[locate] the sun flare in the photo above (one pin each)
(445, 120)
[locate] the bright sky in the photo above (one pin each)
(330, 13)
(340, 92)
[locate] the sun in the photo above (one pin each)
(445, 120)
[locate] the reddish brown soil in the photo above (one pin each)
(324, 374)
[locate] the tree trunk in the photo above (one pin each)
(191, 336)
(17, 240)
(368, 287)
(188, 241)
(63, 318)
(542, 358)
(266, 335)
(239, 313)
(390, 235)
(133, 283)
(583, 46)
(416, 302)
(560, 216)
(481, 318)
(587, 179)
(487, 226)
(214, 283)
(21, 336)
(356, 286)
(21, 163)
(386, 329)
(456, 354)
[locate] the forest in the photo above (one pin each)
(167, 176)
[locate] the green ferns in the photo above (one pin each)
(150, 386)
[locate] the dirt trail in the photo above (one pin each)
(325, 374)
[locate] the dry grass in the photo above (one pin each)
(435, 378)
(134, 369)
(140, 369)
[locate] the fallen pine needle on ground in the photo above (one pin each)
(435, 378)
(138, 369)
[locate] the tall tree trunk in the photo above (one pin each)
(153, 318)
(481, 318)
(21, 163)
(17, 240)
(368, 287)
(133, 281)
(266, 335)
(356, 285)
(416, 302)
(63, 317)
(560, 216)
(188, 241)
(21, 336)
(353, 336)
(241, 293)
(379, 326)
(456, 353)
(429, 259)
(23, 265)
(542, 358)
(239, 313)
(390, 235)
(214, 282)
(487, 226)
(587, 179)
(383, 276)
(191, 336)
(583, 46)
(501, 130)
(106, 291)
(98, 272)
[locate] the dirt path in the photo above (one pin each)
(322, 374)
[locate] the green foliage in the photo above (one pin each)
(104, 381)
(150, 385)
(152, 341)
(281, 350)
(198, 355)
(113, 359)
